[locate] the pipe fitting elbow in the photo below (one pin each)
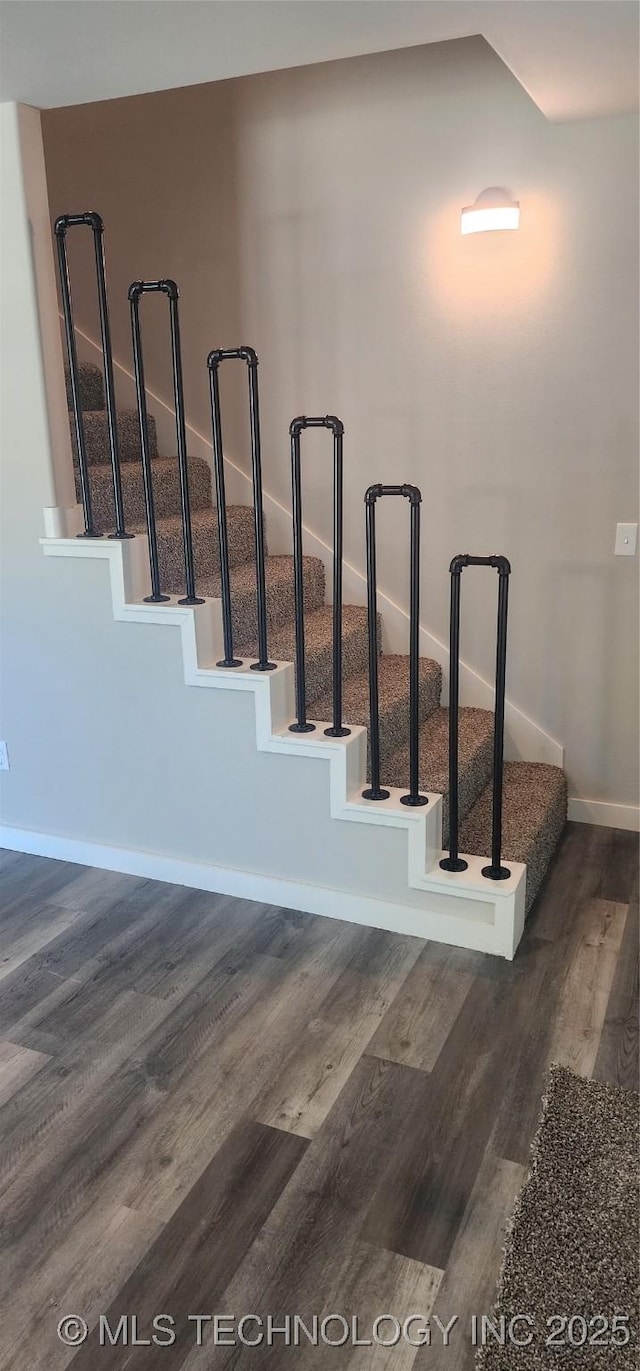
(94, 221)
(169, 288)
(373, 494)
(296, 426)
(66, 221)
(244, 354)
(412, 494)
(135, 291)
(458, 563)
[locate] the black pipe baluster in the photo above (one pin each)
(156, 596)
(170, 289)
(495, 871)
(302, 724)
(263, 663)
(454, 862)
(94, 222)
(61, 225)
(221, 504)
(375, 791)
(249, 356)
(329, 421)
(109, 386)
(337, 729)
(414, 798)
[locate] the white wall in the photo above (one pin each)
(314, 213)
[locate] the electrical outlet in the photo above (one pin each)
(626, 538)
(4, 757)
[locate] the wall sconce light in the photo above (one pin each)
(493, 209)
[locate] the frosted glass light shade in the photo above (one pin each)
(493, 209)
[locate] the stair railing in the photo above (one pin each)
(169, 288)
(62, 225)
(375, 791)
(215, 358)
(454, 862)
(336, 427)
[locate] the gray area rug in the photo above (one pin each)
(572, 1247)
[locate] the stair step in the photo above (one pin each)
(206, 548)
(91, 386)
(475, 735)
(318, 632)
(166, 493)
(279, 589)
(96, 433)
(393, 695)
(533, 817)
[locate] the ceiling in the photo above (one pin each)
(576, 58)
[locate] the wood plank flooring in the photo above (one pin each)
(211, 1106)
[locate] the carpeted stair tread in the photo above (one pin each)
(166, 493)
(319, 646)
(393, 697)
(279, 593)
(91, 386)
(204, 528)
(533, 817)
(475, 734)
(96, 434)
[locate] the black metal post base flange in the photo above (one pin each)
(337, 732)
(372, 794)
(496, 873)
(302, 728)
(453, 864)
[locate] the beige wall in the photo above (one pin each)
(314, 214)
(162, 175)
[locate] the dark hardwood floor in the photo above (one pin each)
(211, 1106)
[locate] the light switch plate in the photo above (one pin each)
(626, 540)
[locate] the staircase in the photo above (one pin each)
(535, 796)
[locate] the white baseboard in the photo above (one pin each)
(267, 890)
(604, 813)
